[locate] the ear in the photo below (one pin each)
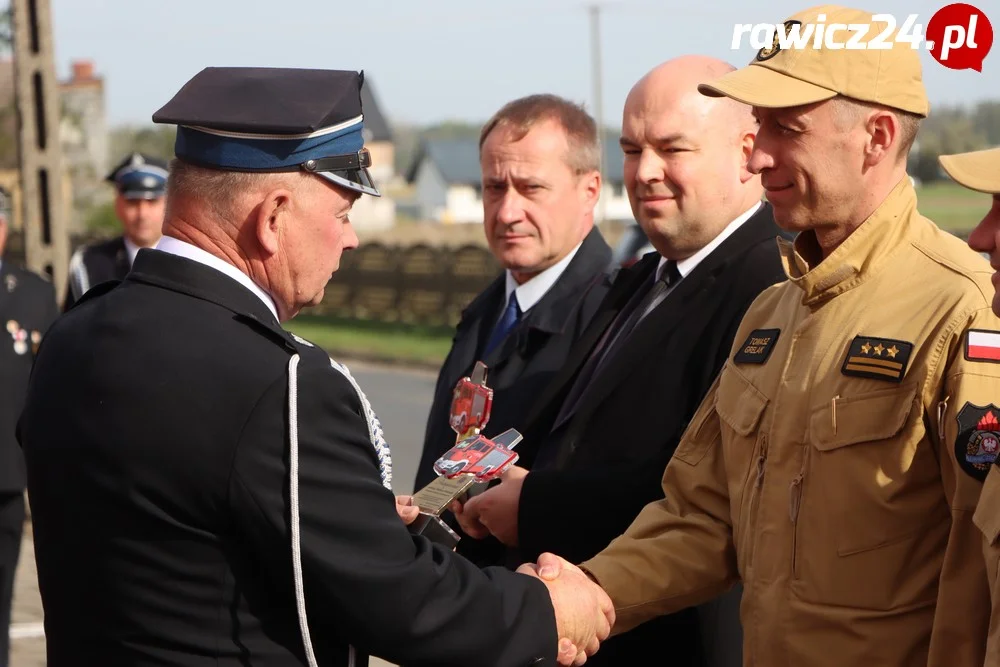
(271, 217)
(882, 128)
(746, 150)
(590, 187)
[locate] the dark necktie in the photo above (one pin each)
(511, 316)
(614, 337)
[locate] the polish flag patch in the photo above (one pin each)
(982, 345)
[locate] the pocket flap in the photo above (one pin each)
(739, 403)
(865, 417)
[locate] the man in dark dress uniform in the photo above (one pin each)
(140, 185)
(216, 490)
(27, 308)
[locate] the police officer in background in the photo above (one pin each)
(980, 171)
(838, 459)
(217, 491)
(140, 185)
(27, 308)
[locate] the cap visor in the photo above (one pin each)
(358, 180)
(760, 86)
(977, 171)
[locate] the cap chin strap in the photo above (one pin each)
(360, 160)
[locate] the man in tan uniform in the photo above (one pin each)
(980, 171)
(835, 464)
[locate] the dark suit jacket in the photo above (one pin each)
(27, 309)
(612, 450)
(522, 365)
(160, 498)
(100, 262)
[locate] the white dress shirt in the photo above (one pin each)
(532, 291)
(687, 265)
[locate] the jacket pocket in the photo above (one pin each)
(874, 467)
(741, 407)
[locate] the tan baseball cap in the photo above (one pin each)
(979, 170)
(788, 77)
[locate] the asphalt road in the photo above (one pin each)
(401, 400)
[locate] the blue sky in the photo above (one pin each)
(435, 60)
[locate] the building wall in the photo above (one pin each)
(464, 205)
(430, 191)
(383, 154)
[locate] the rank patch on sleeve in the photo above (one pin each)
(877, 358)
(978, 440)
(982, 345)
(758, 346)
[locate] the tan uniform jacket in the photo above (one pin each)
(987, 517)
(835, 464)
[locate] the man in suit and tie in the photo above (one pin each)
(540, 161)
(27, 308)
(140, 187)
(603, 431)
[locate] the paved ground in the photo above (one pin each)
(401, 399)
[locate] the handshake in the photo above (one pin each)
(584, 612)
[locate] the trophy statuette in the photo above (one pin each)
(474, 459)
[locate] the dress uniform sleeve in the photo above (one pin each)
(679, 551)
(366, 578)
(965, 429)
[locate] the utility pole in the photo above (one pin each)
(46, 241)
(595, 53)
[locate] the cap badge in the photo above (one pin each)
(780, 33)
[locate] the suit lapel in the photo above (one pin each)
(553, 311)
(121, 260)
(474, 328)
(625, 284)
(660, 324)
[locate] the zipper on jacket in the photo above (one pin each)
(750, 527)
(794, 505)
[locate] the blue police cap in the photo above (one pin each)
(272, 120)
(140, 176)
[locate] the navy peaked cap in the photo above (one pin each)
(273, 119)
(140, 176)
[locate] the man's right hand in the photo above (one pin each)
(584, 612)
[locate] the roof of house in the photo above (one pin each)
(375, 122)
(458, 161)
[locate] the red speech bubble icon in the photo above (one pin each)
(960, 36)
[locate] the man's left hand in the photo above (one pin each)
(497, 507)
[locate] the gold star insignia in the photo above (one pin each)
(866, 348)
(878, 350)
(892, 351)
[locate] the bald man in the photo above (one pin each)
(603, 432)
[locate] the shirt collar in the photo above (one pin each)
(532, 291)
(169, 244)
(132, 250)
(687, 265)
(860, 255)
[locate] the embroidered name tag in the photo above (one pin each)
(757, 347)
(877, 358)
